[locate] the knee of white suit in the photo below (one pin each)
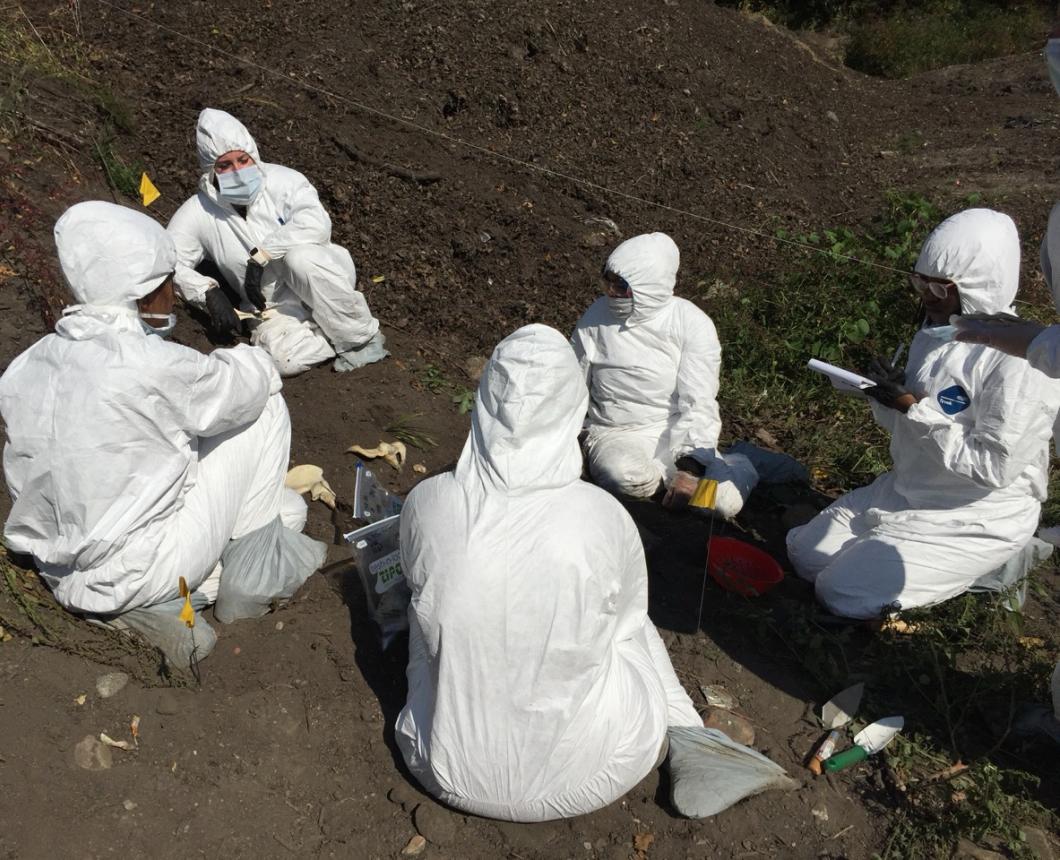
(803, 555)
(626, 473)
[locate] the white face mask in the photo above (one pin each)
(165, 330)
(1052, 58)
(620, 307)
(240, 187)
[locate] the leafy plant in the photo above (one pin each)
(464, 399)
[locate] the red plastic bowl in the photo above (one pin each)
(741, 568)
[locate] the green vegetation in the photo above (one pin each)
(435, 381)
(858, 310)
(121, 176)
(896, 38)
(408, 429)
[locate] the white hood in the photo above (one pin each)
(649, 264)
(111, 255)
(218, 132)
(979, 250)
(530, 406)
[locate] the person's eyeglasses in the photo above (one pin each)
(617, 286)
(938, 287)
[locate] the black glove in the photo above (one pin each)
(222, 315)
(890, 382)
(252, 284)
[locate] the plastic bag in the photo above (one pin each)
(269, 564)
(709, 772)
(371, 500)
(377, 554)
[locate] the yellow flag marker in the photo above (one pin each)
(187, 613)
(150, 194)
(705, 494)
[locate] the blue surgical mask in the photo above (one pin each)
(944, 333)
(162, 331)
(240, 187)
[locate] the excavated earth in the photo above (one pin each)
(478, 161)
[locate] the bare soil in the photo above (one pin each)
(286, 747)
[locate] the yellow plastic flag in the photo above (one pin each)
(187, 613)
(705, 494)
(150, 194)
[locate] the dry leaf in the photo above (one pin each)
(393, 452)
(80, 700)
(310, 479)
(643, 841)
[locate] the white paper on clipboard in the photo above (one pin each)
(843, 380)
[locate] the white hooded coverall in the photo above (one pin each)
(538, 687)
(287, 222)
(131, 460)
(652, 376)
(971, 458)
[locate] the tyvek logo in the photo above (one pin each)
(953, 400)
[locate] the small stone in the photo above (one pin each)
(419, 469)
(279, 625)
(80, 700)
(91, 754)
(434, 823)
(832, 116)
(129, 805)
(167, 704)
(111, 684)
(404, 796)
(416, 845)
(736, 727)
(820, 812)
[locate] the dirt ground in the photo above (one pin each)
(285, 748)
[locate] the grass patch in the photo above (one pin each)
(897, 38)
(856, 311)
(917, 40)
(122, 176)
(408, 429)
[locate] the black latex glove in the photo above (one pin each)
(890, 382)
(222, 315)
(252, 284)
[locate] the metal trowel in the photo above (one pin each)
(836, 713)
(840, 709)
(869, 741)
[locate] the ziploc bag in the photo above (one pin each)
(371, 500)
(377, 554)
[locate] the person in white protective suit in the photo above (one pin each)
(265, 229)
(133, 461)
(652, 362)
(538, 687)
(970, 429)
(1038, 343)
